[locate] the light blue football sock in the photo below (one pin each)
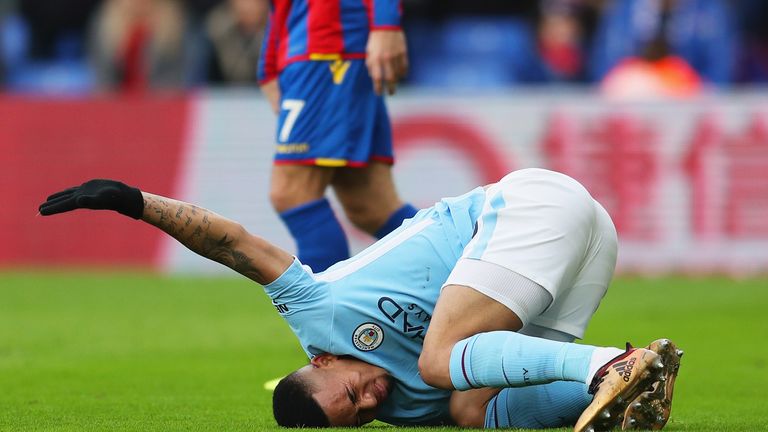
(320, 240)
(552, 405)
(396, 219)
(509, 359)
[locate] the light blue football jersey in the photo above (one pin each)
(376, 306)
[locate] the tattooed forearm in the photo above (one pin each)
(169, 215)
(221, 250)
(213, 247)
(194, 227)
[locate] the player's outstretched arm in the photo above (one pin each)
(201, 230)
(216, 237)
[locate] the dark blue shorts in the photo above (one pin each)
(330, 116)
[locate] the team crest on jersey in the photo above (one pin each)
(367, 337)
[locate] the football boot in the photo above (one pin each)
(651, 409)
(615, 385)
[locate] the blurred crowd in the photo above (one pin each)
(675, 47)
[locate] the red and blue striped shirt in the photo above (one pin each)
(300, 30)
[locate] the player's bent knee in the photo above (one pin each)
(292, 188)
(286, 199)
(281, 201)
(367, 221)
(368, 213)
(426, 371)
(434, 369)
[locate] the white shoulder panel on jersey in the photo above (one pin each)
(376, 251)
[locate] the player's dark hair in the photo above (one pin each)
(293, 404)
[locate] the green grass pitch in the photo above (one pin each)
(131, 351)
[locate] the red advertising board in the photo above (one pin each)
(48, 145)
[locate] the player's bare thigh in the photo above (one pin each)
(294, 185)
(460, 312)
(368, 194)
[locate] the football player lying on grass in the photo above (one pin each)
(465, 315)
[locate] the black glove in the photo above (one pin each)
(96, 194)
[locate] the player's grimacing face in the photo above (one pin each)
(348, 390)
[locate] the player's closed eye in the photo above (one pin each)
(351, 395)
(353, 398)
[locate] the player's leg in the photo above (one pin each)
(295, 185)
(552, 405)
(508, 359)
(556, 404)
(368, 192)
(530, 242)
(369, 198)
(308, 135)
(543, 406)
(298, 195)
(472, 342)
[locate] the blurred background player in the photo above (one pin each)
(324, 67)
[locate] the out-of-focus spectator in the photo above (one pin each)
(655, 72)
(638, 78)
(699, 32)
(562, 39)
(144, 44)
(235, 30)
